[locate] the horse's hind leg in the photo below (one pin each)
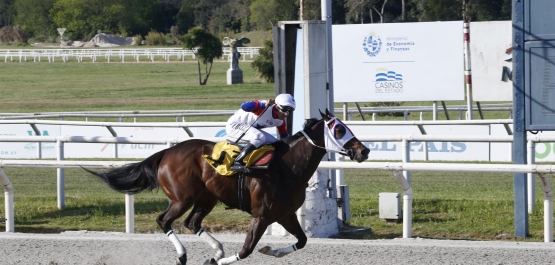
(291, 224)
(203, 206)
(165, 220)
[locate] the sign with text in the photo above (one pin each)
(440, 151)
(398, 62)
(491, 60)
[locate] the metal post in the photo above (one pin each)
(434, 111)
(519, 120)
(407, 203)
(60, 175)
(467, 71)
(8, 197)
(406, 158)
(129, 213)
(531, 178)
(547, 208)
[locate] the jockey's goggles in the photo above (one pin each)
(285, 109)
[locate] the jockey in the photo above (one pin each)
(252, 117)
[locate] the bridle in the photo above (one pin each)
(341, 152)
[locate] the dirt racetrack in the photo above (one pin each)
(83, 247)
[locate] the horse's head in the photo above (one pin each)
(341, 139)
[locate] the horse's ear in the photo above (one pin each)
(324, 116)
(329, 113)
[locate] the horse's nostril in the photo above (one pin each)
(365, 152)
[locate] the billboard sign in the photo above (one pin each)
(491, 60)
(398, 62)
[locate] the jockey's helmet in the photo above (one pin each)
(286, 103)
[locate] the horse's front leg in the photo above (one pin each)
(291, 224)
(256, 230)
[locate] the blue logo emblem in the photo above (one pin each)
(388, 82)
(372, 45)
(221, 133)
(385, 75)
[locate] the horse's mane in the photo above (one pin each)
(308, 124)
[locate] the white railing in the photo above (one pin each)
(420, 124)
(93, 54)
(407, 110)
(347, 113)
(397, 169)
(135, 115)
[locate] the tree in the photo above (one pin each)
(7, 12)
(264, 63)
(162, 14)
(216, 15)
(266, 13)
(185, 19)
(82, 18)
(312, 9)
(357, 10)
(403, 11)
(206, 47)
(140, 16)
(381, 11)
(481, 10)
(439, 10)
(34, 18)
(243, 13)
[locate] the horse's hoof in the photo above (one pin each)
(266, 250)
(182, 260)
(211, 261)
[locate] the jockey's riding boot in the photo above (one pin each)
(239, 165)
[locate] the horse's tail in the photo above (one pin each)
(133, 178)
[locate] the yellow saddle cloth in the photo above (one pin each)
(224, 155)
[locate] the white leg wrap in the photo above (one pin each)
(215, 244)
(278, 252)
(178, 246)
(229, 260)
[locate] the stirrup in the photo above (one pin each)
(238, 166)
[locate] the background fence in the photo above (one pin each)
(112, 55)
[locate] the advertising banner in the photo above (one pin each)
(12, 150)
(439, 151)
(30, 150)
(491, 60)
(398, 62)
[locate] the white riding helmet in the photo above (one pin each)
(286, 102)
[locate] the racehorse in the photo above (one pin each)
(271, 195)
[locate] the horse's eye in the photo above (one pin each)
(339, 131)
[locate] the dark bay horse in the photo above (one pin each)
(271, 195)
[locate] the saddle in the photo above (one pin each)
(224, 154)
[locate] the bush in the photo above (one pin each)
(264, 63)
(12, 34)
(138, 39)
(175, 35)
(155, 38)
